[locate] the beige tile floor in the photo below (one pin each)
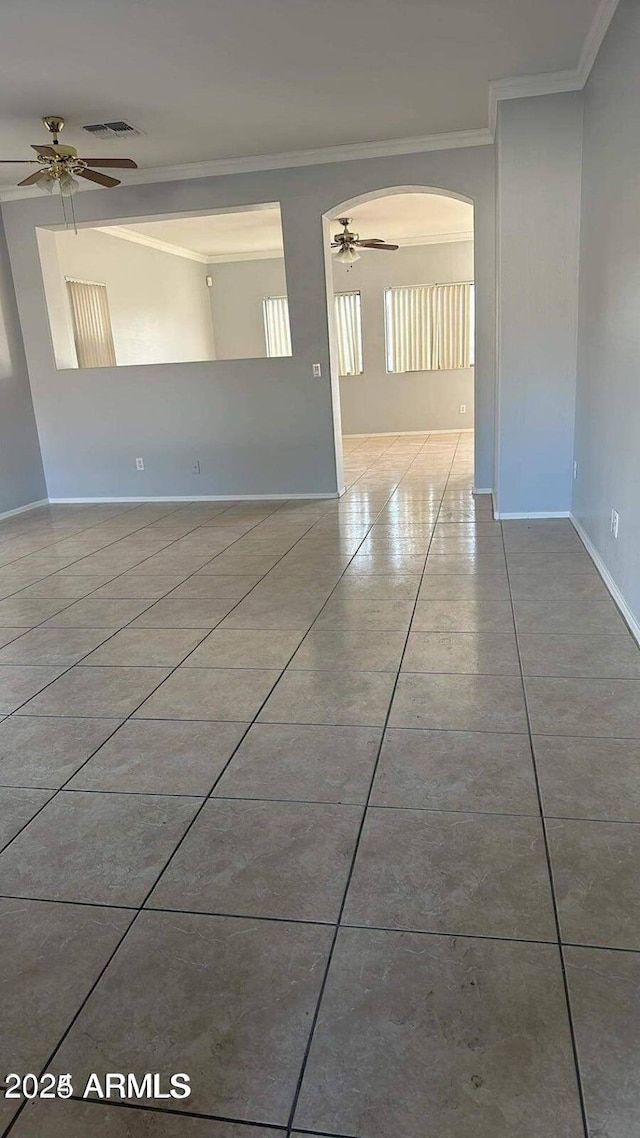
(332, 805)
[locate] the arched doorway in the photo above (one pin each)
(402, 323)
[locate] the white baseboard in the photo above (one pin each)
(629, 616)
(400, 434)
(24, 509)
(535, 515)
(192, 498)
(482, 490)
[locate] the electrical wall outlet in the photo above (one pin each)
(317, 371)
(139, 464)
(195, 467)
(463, 408)
(614, 523)
(575, 471)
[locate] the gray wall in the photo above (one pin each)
(239, 287)
(538, 224)
(607, 444)
(417, 401)
(256, 426)
(374, 401)
(21, 474)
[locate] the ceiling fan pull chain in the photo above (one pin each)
(73, 215)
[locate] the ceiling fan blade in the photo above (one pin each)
(375, 245)
(374, 240)
(33, 178)
(117, 163)
(19, 161)
(101, 179)
(46, 151)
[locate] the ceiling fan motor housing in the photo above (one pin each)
(54, 124)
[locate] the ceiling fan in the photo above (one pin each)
(60, 166)
(348, 243)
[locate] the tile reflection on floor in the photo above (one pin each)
(333, 805)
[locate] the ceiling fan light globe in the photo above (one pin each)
(347, 255)
(68, 184)
(46, 182)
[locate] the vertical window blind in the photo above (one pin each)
(349, 327)
(277, 330)
(429, 327)
(348, 321)
(91, 323)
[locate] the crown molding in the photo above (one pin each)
(599, 28)
(289, 160)
(253, 255)
(321, 156)
(555, 82)
(525, 86)
(433, 239)
(125, 234)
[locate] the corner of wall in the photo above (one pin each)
(22, 478)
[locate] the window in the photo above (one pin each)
(277, 331)
(91, 323)
(429, 327)
(348, 322)
(349, 326)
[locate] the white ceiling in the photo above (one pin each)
(213, 79)
(216, 235)
(409, 217)
(405, 218)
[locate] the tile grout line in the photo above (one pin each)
(196, 815)
(323, 985)
(277, 1128)
(308, 921)
(75, 600)
(138, 910)
(547, 849)
(309, 528)
(85, 529)
(124, 720)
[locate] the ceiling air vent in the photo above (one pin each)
(116, 129)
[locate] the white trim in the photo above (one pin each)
(289, 159)
(482, 490)
(24, 509)
(398, 434)
(535, 514)
(555, 82)
(192, 498)
(599, 28)
(254, 255)
(433, 239)
(125, 234)
(348, 152)
(629, 616)
(524, 86)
